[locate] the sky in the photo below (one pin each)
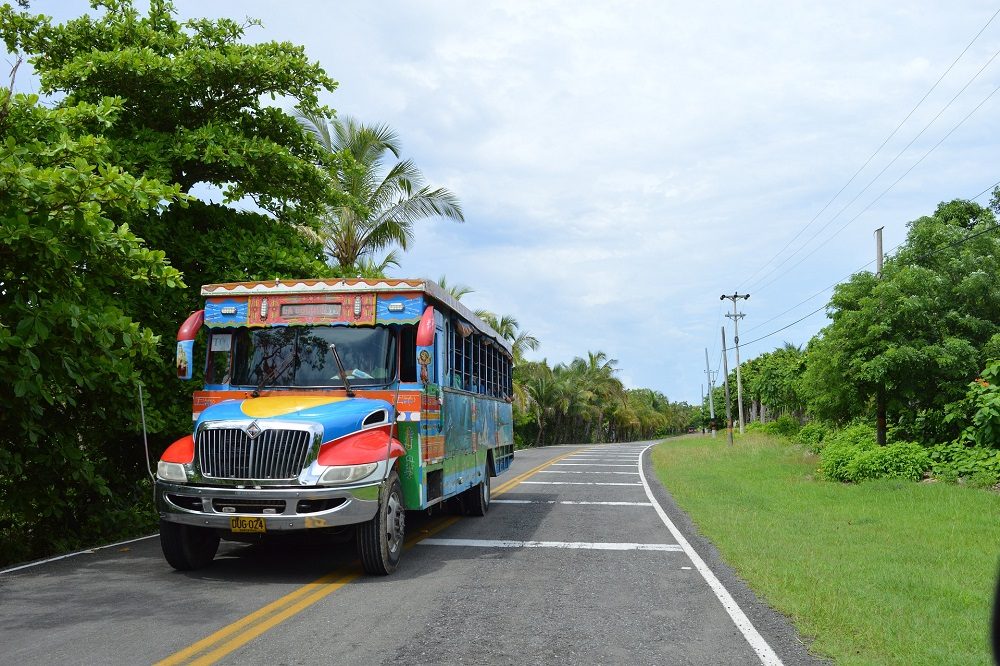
(621, 165)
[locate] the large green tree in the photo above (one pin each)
(69, 352)
(391, 194)
(920, 333)
(194, 109)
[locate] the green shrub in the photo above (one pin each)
(958, 461)
(842, 446)
(902, 460)
(857, 433)
(783, 426)
(813, 435)
(756, 426)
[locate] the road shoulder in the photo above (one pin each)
(775, 628)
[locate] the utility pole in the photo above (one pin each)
(736, 316)
(725, 370)
(880, 426)
(711, 390)
(702, 408)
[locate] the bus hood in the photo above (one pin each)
(338, 416)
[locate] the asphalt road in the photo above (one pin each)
(574, 564)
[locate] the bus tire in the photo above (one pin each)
(476, 499)
(187, 547)
(380, 540)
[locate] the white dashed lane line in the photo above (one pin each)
(577, 483)
(590, 465)
(577, 471)
(575, 545)
(515, 501)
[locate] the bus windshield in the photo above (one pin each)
(300, 356)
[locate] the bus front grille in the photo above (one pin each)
(229, 453)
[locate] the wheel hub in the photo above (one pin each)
(395, 522)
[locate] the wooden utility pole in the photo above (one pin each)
(729, 406)
(880, 426)
(736, 316)
(711, 390)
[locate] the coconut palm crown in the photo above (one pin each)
(391, 192)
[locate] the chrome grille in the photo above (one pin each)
(229, 453)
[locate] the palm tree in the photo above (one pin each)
(391, 192)
(457, 291)
(510, 330)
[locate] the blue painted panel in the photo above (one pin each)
(413, 308)
(215, 318)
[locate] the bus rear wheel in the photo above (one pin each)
(476, 500)
(380, 540)
(187, 547)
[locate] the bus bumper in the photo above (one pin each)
(282, 509)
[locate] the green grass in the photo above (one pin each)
(884, 572)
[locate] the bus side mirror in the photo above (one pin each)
(425, 329)
(185, 344)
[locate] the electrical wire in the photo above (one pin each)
(924, 255)
(828, 288)
(881, 146)
(884, 192)
(879, 175)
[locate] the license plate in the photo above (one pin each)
(244, 524)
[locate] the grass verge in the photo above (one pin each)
(884, 572)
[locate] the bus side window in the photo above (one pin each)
(408, 353)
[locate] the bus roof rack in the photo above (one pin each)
(389, 285)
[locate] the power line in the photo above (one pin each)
(881, 146)
(884, 192)
(884, 169)
(946, 246)
(826, 289)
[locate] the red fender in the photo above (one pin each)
(181, 451)
(361, 447)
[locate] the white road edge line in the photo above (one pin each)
(514, 501)
(577, 483)
(574, 545)
(79, 552)
(764, 651)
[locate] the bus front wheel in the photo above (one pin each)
(380, 540)
(187, 547)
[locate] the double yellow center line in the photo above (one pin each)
(214, 647)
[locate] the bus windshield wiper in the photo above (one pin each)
(340, 368)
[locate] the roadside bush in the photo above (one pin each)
(783, 426)
(980, 409)
(957, 461)
(902, 460)
(813, 435)
(756, 426)
(841, 447)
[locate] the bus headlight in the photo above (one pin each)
(347, 473)
(169, 471)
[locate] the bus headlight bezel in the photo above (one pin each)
(337, 475)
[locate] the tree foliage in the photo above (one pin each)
(922, 331)
(192, 98)
(143, 99)
(68, 351)
(391, 193)
(584, 401)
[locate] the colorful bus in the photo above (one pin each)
(330, 406)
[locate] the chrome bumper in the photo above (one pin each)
(204, 505)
